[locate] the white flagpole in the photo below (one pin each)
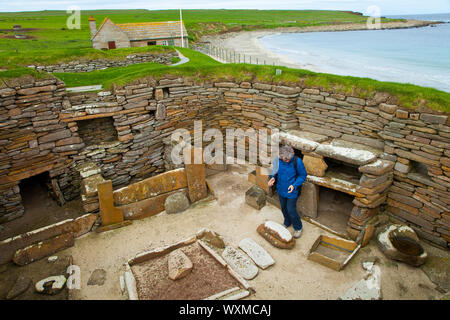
(181, 29)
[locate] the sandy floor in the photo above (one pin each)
(292, 276)
(247, 43)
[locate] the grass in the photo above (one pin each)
(53, 42)
(201, 67)
(48, 57)
(53, 37)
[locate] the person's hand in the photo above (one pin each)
(271, 182)
(291, 188)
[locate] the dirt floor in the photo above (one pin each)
(334, 209)
(35, 272)
(40, 210)
(207, 277)
(292, 276)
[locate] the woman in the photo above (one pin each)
(289, 173)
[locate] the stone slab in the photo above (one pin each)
(109, 213)
(257, 253)
(308, 201)
(350, 155)
(240, 263)
(151, 187)
(196, 177)
(148, 207)
(43, 249)
(314, 166)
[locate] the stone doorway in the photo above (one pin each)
(334, 209)
(40, 207)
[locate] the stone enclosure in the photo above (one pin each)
(100, 64)
(387, 158)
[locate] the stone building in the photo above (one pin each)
(112, 36)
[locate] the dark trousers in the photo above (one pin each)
(289, 209)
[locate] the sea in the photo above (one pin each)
(418, 56)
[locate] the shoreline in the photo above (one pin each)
(247, 42)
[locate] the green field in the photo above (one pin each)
(53, 43)
(53, 34)
(202, 67)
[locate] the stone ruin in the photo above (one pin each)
(383, 157)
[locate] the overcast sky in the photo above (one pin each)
(388, 7)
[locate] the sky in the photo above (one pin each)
(387, 7)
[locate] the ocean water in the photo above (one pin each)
(418, 55)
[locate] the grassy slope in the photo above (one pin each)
(201, 67)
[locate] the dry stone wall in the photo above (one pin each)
(100, 64)
(40, 128)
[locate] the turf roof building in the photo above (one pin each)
(111, 36)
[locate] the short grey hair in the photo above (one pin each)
(286, 152)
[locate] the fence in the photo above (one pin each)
(229, 55)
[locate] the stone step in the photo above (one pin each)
(257, 253)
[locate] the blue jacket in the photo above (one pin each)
(287, 176)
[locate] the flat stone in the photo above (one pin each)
(350, 155)
(368, 288)
(257, 253)
(276, 234)
(300, 140)
(97, 278)
(88, 169)
(308, 202)
(179, 264)
(20, 286)
(51, 285)
(255, 197)
(240, 263)
(176, 203)
(377, 168)
(437, 268)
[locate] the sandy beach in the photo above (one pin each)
(247, 42)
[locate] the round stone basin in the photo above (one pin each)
(407, 245)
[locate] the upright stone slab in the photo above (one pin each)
(308, 202)
(109, 213)
(315, 166)
(195, 174)
(240, 263)
(262, 179)
(257, 253)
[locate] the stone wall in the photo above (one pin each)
(146, 112)
(100, 64)
(33, 139)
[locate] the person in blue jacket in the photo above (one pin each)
(289, 173)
